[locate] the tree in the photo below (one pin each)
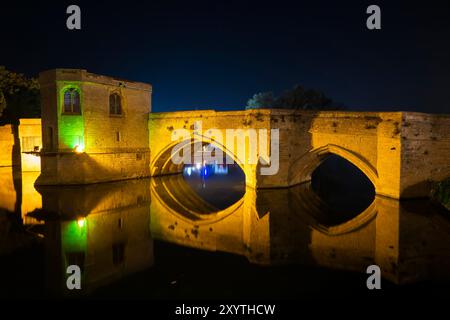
(2, 103)
(261, 100)
(297, 98)
(19, 96)
(440, 193)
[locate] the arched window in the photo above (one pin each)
(72, 101)
(115, 104)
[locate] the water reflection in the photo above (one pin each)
(102, 228)
(18, 198)
(287, 226)
(220, 185)
(109, 230)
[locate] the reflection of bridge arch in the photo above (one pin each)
(309, 207)
(303, 166)
(163, 164)
(180, 200)
(302, 203)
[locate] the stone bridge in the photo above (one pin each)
(400, 152)
(87, 139)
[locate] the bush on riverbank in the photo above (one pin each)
(441, 193)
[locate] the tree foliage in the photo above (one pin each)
(297, 98)
(261, 100)
(441, 193)
(19, 96)
(2, 102)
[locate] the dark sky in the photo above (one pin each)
(217, 54)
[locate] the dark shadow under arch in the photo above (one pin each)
(343, 187)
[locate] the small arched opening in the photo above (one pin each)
(343, 188)
(205, 186)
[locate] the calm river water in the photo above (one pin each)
(203, 234)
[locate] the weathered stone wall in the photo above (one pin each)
(369, 140)
(30, 135)
(115, 147)
(49, 129)
(385, 146)
(425, 152)
(163, 125)
(402, 153)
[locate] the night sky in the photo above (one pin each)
(217, 54)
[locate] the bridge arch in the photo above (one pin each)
(302, 168)
(163, 164)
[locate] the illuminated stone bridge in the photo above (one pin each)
(400, 152)
(97, 128)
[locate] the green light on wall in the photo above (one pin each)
(71, 125)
